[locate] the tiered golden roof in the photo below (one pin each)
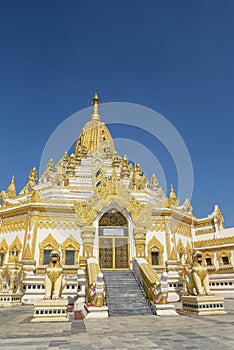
(95, 135)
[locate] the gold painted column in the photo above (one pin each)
(85, 216)
(87, 234)
(140, 235)
(30, 238)
(172, 262)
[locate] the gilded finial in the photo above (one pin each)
(95, 103)
(11, 190)
(172, 193)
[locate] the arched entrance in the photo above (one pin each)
(113, 241)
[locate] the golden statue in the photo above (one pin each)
(49, 172)
(54, 281)
(32, 179)
(138, 180)
(97, 292)
(3, 198)
(154, 182)
(197, 277)
(125, 173)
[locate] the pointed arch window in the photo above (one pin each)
(155, 251)
(46, 247)
(70, 251)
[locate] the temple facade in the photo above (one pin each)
(94, 203)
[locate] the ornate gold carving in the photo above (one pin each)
(159, 225)
(49, 243)
(70, 244)
(205, 231)
(107, 186)
(214, 242)
(85, 214)
(180, 228)
(135, 208)
(154, 245)
(111, 218)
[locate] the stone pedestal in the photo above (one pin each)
(203, 305)
(10, 299)
(172, 267)
(95, 312)
(165, 310)
(50, 310)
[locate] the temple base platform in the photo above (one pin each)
(10, 299)
(95, 312)
(203, 305)
(165, 310)
(50, 310)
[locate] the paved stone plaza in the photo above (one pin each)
(145, 332)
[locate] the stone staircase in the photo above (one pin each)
(123, 294)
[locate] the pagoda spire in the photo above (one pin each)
(95, 113)
(11, 190)
(172, 193)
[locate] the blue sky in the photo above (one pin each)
(175, 57)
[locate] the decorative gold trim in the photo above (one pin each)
(204, 231)
(203, 223)
(12, 225)
(159, 225)
(213, 242)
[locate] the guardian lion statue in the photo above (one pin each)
(97, 292)
(197, 278)
(54, 281)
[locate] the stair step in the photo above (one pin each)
(124, 295)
